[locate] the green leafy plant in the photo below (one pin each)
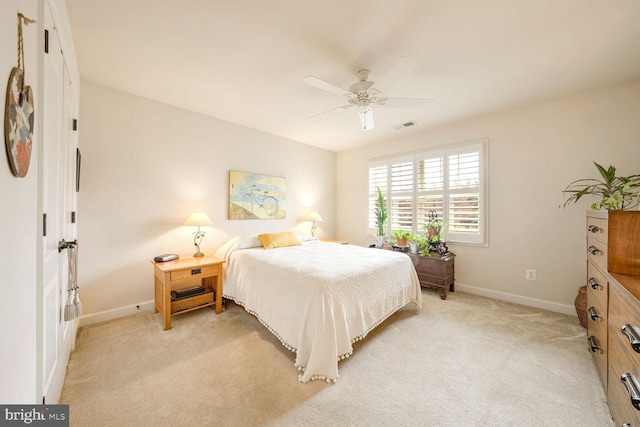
(615, 192)
(380, 213)
(422, 244)
(434, 229)
(401, 234)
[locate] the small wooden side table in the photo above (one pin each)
(436, 271)
(182, 273)
(342, 242)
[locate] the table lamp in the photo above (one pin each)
(198, 219)
(314, 217)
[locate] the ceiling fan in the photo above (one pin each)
(364, 95)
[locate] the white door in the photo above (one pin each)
(56, 337)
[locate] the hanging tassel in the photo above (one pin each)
(73, 254)
(73, 308)
(69, 309)
(77, 304)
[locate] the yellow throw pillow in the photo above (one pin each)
(279, 240)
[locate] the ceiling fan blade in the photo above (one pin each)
(333, 110)
(403, 67)
(391, 102)
(326, 86)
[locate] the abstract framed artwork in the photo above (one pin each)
(254, 196)
(18, 123)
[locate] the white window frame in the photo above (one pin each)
(479, 146)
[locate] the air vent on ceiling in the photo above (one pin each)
(404, 125)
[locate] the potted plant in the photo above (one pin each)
(434, 229)
(419, 244)
(615, 192)
(381, 218)
(402, 237)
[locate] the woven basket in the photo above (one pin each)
(581, 305)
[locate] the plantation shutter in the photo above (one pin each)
(378, 178)
(430, 188)
(465, 194)
(401, 198)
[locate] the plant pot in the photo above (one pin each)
(402, 242)
(413, 248)
(379, 241)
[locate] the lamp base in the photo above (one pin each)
(198, 254)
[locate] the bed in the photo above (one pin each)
(318, 298)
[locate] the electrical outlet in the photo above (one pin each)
(530, 274)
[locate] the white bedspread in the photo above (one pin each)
(319, 298)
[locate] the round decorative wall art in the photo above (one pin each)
(18, 123)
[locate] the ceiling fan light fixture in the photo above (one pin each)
(366, 117)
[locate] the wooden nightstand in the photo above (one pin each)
(183, 273)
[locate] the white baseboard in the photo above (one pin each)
(104, 316)
(517, 299)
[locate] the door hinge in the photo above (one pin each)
(73, 217)
(46, 41)
(75, 124)
(44, 225)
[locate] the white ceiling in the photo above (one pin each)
(244, 60)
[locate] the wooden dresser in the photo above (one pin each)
(436, 271)
(613, 301)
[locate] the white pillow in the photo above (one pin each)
(231, 245)
(250, 242)
(304, 237)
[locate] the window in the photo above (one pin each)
(449, 183)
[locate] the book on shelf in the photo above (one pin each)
(187, 292)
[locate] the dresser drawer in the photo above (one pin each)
(597, 252)
(624, 309)
(622, 361)
(597, 336)
(597, 286)
(598, 229)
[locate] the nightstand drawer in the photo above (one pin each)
(195, 273)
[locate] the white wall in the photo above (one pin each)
(534, 152)
(18, 226)
(146, 166)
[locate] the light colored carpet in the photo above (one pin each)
(466, 361)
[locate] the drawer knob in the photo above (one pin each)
(593, 228)
(632, 335)
(592, 313)
(593, 250)
(593, 345)
(594, 285)
(633, 389)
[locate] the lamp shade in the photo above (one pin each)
(366, 118)
(198, 218)
(314, 216)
